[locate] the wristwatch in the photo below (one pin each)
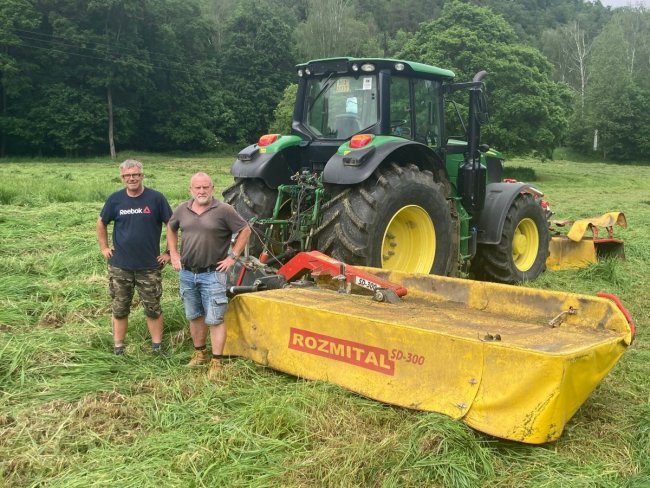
(232, 255)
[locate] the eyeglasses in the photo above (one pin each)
(131, 175)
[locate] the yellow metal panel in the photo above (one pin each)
(478, 351)
(567, 254)
(326, 336)
(530, 397)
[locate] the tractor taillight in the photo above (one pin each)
(360, 140)
(267, 139)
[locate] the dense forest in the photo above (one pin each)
(84, 77)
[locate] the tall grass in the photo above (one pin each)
(74, 415)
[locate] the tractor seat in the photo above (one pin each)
(347, 125)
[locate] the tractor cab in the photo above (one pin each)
(340, 98)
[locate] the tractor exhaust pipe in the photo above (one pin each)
(474, 135)
(471, 177)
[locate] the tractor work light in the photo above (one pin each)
(355, 67)
(267, 139)
(399, 66)
(368, 67)
(360, 140)
(300, 73)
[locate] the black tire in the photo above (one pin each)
(521, 254)
(252, 198)
(403, 199)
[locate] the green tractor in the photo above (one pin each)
(370, 176)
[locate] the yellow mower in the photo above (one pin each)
(513, 362)
(576, 250)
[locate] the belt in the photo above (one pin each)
(208, 269)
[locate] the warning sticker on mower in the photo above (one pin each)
(354, 353)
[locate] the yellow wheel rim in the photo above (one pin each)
(525, 244)
(409, 243)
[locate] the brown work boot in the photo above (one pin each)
(214, 370)
(199, 358)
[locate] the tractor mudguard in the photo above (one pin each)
(498, 199)
(357, 165)
(271, 164)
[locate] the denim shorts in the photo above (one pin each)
(204, 294)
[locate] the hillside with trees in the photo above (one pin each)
(93, 77)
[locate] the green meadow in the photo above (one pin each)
(74, 415)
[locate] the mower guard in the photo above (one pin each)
(510, 361)
(574, 250)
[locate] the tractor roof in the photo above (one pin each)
(319, 67)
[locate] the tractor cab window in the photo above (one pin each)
(415, 110)
(339, 107)
(427, 105)
(400, 107)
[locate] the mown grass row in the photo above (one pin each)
(72, 414)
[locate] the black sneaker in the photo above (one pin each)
(119, 350)
(159, 352)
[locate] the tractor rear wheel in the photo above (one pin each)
(398, 219)
(252, 198)
(521, 254)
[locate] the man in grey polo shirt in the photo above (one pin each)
(206, 227)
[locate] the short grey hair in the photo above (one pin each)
(131, 163)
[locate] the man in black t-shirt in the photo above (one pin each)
(134, 261)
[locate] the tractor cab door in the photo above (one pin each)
(415, 110)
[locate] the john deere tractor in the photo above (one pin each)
(371, 176)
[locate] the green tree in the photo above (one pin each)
(71, 119)
(256, 64)
(283, 113)
(393, 17)
(569, 48)
(332, 29)
(528, 110)
(617, 100)
(90, 53)
(181, 109)
(122, 65)
(17, 18)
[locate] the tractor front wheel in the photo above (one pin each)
(521, 254)
(398, 219)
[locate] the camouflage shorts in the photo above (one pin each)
(122, 283)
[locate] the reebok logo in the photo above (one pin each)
(134, 211)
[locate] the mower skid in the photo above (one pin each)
(509, 361)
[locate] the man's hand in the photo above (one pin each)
(226, 264)
(176, 260)
(107, 252)
(163, 259)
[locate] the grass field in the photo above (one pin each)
(74, 415)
